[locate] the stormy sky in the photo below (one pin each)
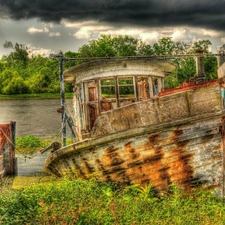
(52, 25)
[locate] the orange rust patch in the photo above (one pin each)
(111, 149)
(133, 153)
(178, 132)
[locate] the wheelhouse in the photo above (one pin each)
(100, 86)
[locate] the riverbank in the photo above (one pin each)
(35, 96)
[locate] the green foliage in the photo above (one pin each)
(201, 45)
(28, 142)
(79, 201)
(125, 45)
(210, 64)
(20, 74)
(164, 46)
(69, 64)
(17, 58)
(101, 47)
(109, 46)
(185, 69)
(12, 83)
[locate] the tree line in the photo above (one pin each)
(22, 74)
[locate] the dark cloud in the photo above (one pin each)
(150, 13)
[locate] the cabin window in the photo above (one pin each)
(108, 88)
(156, 87)
(126, 87)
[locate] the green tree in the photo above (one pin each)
(13, 84)
(36, 83)
(109, 46)
(186, 67)
(165, 46)
(5, 76)
(201, 45)
(181, 47)
(68, 64)
(2, 66)
(41, 74)
(101, 47)
(19, 57)
(125, 45)
(144, 49)
(210, 63)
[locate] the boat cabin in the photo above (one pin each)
(104, 85)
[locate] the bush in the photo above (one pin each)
(15, 85)
(28, 142)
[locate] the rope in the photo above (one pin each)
(60, 131)
(7, 137)
(26, 156)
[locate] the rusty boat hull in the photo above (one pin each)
(174, 138)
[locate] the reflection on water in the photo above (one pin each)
(31, 166)
(33, 117)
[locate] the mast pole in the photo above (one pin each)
(62, 96)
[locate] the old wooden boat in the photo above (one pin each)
(130, 133)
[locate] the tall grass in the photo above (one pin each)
(77, 201)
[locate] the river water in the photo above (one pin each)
(37, 117)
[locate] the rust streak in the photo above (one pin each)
(111, 149)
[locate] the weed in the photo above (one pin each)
(77, 201)
(28, 141)
(28, 145)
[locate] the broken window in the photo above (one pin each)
(108, 88)
(156, 86)
(126, 87)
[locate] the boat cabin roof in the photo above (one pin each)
(119, 67)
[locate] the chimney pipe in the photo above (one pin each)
(200, 70)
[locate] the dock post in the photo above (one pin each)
(8, 161)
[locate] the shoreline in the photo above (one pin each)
(35, 96)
